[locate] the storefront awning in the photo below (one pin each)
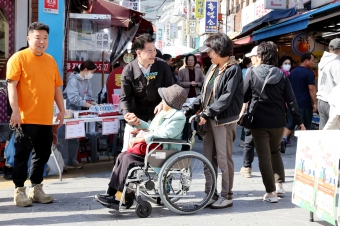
(120, 15)
(295, 24)
(244, 40)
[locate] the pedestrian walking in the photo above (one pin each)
(220, 101)
(267, 86)
(329, 77)
(33, 86)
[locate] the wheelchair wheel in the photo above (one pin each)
(187, 182)
(143, 209)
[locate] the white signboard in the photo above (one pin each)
(192, 27)
(159, 36)
(230, 24)
(184, 36)
(248, 14)
(293, 2)
(173, 31)
(166, 36)
(260, 9)
(317, 3)
(131, 4)
(110, 126)
(275, 4)
(75, 129)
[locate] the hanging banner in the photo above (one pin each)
(173, 31)
(260, 9)
(248, 14)
(51, 6)
(159, 36)
(199, 11)
(316, 173)
(184, 31)
(166, 36)
(191, 27)
(211, 17)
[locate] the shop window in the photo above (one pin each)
(4, 36)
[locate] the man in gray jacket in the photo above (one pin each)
(329, 77)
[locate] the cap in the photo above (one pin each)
(253, 52)
(204, 49)
(335, 43)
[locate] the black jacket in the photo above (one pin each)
(227, 94)
(270, 111)
(139, 95)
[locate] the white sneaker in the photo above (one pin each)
(222, 203)
(211, 201)
(279, 188)
(270, 197)
(245, 172)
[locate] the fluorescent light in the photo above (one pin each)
(331, 24)
(330, 34)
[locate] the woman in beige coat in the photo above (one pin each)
(191, 78)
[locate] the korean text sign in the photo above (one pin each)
(51, 6)
(211, 17)
(199, 9)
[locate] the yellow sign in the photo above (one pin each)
(199, 9)
(192, 27)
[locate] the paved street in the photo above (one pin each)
(74, 203)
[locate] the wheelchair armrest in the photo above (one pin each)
(165, 140)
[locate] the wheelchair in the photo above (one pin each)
(184, 181)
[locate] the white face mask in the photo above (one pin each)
(286, 67)
(89, 75)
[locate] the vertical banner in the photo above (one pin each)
(211, 17)
(199, 11)
(166, 36)
(316, 173)
(184, 32)
(173, 31)
(159, 36)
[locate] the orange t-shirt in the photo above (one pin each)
(38, 77)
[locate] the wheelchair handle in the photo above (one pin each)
(192, 117)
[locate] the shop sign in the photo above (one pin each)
(72, 64)
(230, 24)
(248, 14)
(303, 43)
(260, 9)
(166, 36)
(173, 31)
(318, 3)
(275, 4)
(199, 11)
(211, 17)
(128, 57)
(159, 36)
(51, 6)
(191, 27)
(184, 37)
(292, 3)
(131, 4)
(116, 74)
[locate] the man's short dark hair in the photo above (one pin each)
(306, 56)
(267, 51)
(187, 57)
(38, 26)
(139, 43)
(221, 44)
(166, 57)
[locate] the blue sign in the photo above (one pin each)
(211, 17)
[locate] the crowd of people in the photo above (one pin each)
(152, 95)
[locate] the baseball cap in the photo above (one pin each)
(253, 52)
(335, 43)
(204, 49)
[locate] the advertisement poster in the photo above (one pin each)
(211, 17)
(72, 64)
(51, 6)
(316, 173)
(303, 193)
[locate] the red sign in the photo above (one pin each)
(51, 6)
(72, 64)
(113, 82)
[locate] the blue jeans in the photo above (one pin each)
(306, 115)
(67, 147)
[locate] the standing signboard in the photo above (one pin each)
(211, 17)
(51, 6)
(316, 173)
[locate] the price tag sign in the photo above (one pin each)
(75, 129)
(110, 126)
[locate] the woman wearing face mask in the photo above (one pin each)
(285, 64)
(78, 95)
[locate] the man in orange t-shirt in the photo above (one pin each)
(33, 86)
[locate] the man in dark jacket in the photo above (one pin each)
(140, 81)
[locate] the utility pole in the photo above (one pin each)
(188, 18)
(227, 11)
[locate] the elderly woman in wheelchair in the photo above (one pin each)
(155, 168)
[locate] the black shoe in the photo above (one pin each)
(200, 138)
(283, 146)
(107, 201)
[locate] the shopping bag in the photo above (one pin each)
(52, 163)
(10, 150)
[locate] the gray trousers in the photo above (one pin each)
(67, 147)
(218, 144)
(323, 108)
(268, 146)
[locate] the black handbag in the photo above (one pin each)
(246, 120)
(202, 129)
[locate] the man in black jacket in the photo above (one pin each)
(140, 81)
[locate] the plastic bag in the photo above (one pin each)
(52, 163)
(10, 150)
